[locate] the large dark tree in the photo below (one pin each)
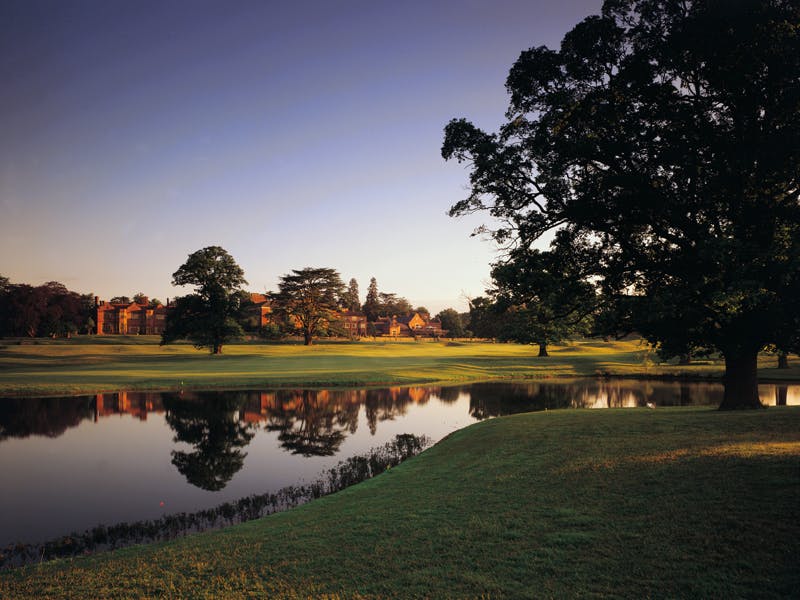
(662, 139)
(308, 300)
(206, 317)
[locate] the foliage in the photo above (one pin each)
(372, 302)
(308, 299)
(350, 300)
(451, 322)
(391, 305)
(485, 318)
(48, 310)
(206, 317)
(545, 297)
(661, 140)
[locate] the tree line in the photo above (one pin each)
(47, 310)
(309, 303)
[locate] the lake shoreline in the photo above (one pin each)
(89, 366)
(479, 514)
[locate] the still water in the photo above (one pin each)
(69, 464)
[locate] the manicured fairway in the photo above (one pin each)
(630, 503)
(138, 363)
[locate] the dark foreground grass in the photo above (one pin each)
(96, 364)
(633, 503)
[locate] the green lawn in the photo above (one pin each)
(85, 365)
(630, 503)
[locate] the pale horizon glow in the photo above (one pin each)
(134, 133)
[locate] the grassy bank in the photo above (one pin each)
(616, 503)
(87, 365)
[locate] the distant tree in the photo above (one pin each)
(451, 322)
(46, 310)
(206, 317)
(485, 319)
(372, 304)
(156, 302)
(350, 300)
(390, 305)
(546, 296)
(140, 298)
(308, 300)
(120, 300)
(662, 139)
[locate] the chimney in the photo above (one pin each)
(96, 301)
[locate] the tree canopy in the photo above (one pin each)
(308, 300)
(208, 316)
(544, 295)
(49, 309)
(350, 300)
(662, 141)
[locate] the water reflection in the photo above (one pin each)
(210, 423)
(75, 462)
(50, 417)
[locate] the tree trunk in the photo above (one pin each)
(781, 394)
(741, 381)
(685, 359)
(783, 360)
(543, 349)
(217, 349)
(307, 339)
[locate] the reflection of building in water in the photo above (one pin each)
(137, 404)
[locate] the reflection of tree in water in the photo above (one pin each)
(386, 404)
(209, 422)
(493, 400)
(23, 417)
(314, 422)
(449, 394)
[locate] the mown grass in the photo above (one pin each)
(666, 503)
(86, 365)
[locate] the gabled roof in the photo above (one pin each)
(258, 298)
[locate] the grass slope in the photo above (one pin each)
(88, 365)
(684, 503)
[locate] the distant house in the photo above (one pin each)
(350, 323)
(134, 318)
(409, 326)
(258, 312)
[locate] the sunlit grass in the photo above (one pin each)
(121, 362)
(678, 503)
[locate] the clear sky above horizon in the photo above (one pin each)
(133, 133)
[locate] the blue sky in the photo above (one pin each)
(133, 133)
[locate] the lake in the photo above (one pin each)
(71, 463)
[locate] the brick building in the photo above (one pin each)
(135, 318)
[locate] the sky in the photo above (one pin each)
(293, 134)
